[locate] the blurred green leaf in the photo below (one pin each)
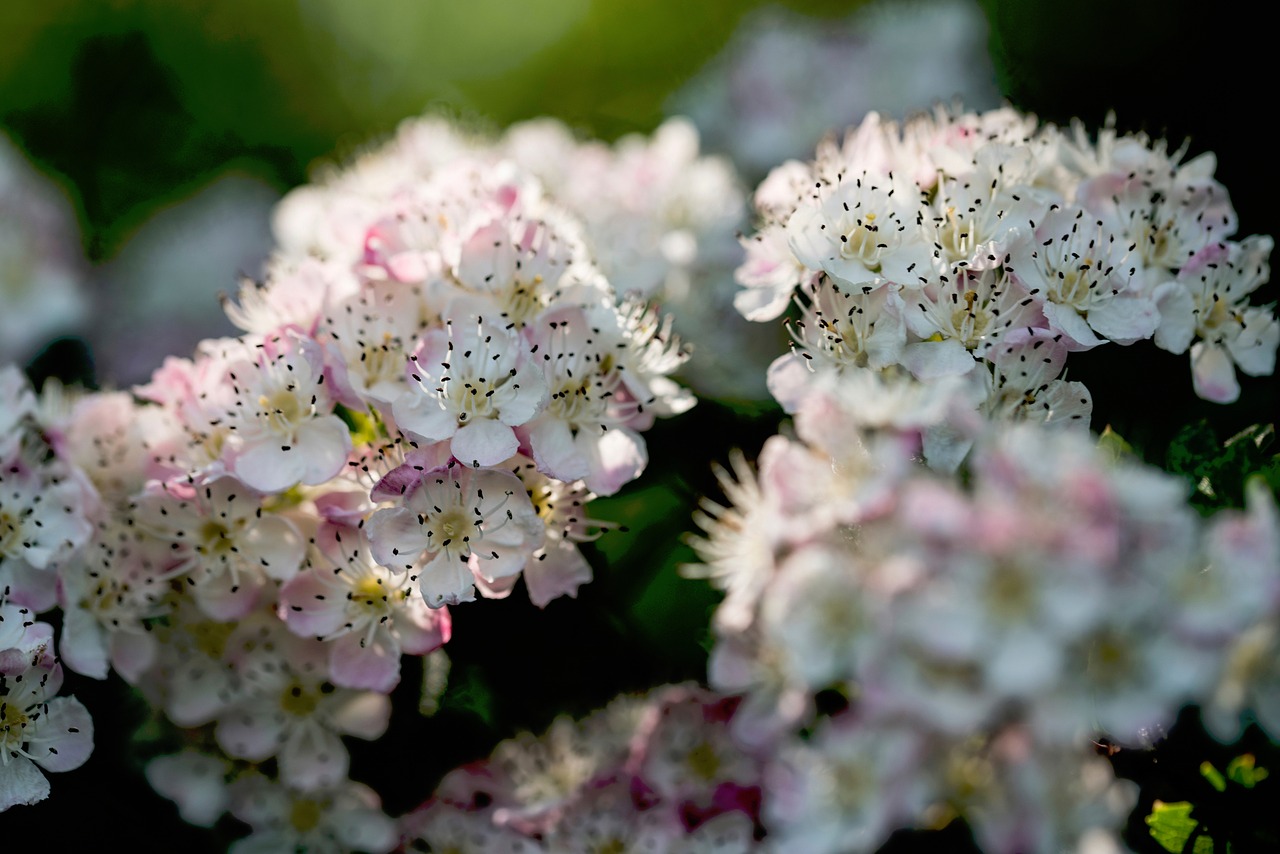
(1172, 827)
(1218, 470)
(1245, 771)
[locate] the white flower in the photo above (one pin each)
(1209, 300)
(471, 384)
(37, 728)
(284, 432)
(456, 525)
(1082, 274)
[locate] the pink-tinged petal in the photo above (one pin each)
(357, 661)
(275, 545)
(223, 601)
(343, 508)
(313, 758)
(554, 451)
(84, 644)
(251, 732)
(408, 266)
(66, 736)
(195, 782)
(422, 415)
(1074, 329)
(21, 783)
(1125, 319)
(423, 629)
(1177, 326)
(498, 588)
(929, 360)
(1213, 374)
(396, 538)
(363, 715)
(560, 572)
(788, 380)
(310, 607)
(24, 643)
(484, 443)
(32, 588)
(132, 654)
(401, 481)
(618, 457)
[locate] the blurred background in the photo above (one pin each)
(143, 144)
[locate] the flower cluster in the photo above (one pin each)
(435, 378)
(991, 628)
(45, 511)
(657, 219)
(656, 773)
(968, 628)
(934, 245)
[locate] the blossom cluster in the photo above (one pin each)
(981, 634)
(978, 622)
(45, 505)
(434, 379)
(658, 219)
(937, 244)
(658, 773)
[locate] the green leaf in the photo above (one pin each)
(1213, 775)
(1245, 771)
(1219, 470)
(1172, 827)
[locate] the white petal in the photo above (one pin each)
(1177, 317)
(1125, 319)
(484, 442)
(1074, 328)
(929, 360)
(313, 758)
(1254, 349)
(21, 783)
(422, 414)
(395, 537)
(561, 572)
(84, 644)
(66, 736)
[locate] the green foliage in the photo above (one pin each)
(1244, 770)
(1218, 470)
(1173, 827)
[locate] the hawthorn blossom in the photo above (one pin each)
(37, 728)
(1208, 302)
(284, 706)
(338, 818)
(283, 429)
(226, 545)
(457, 527)
(365, 613)
(1082, 275)
(471, 385)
